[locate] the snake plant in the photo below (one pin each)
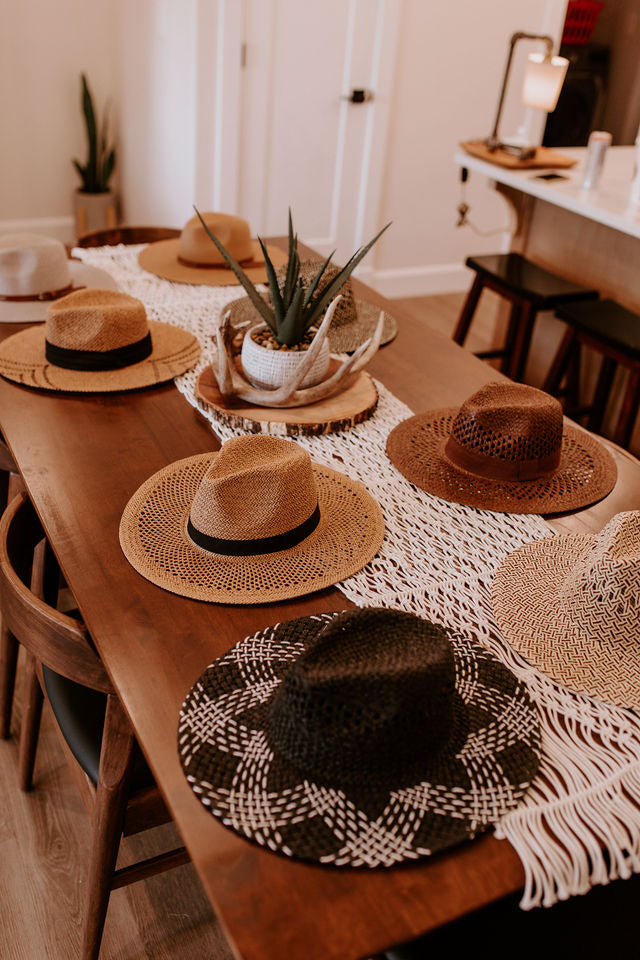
(294, 307)
(101, 159)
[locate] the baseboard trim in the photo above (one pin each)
(418, 281)
(62, 228)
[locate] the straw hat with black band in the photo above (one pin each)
(570, 604)
(193, 258)
(96, 341)
(255, 522)
(354, 320)
(508, 449)
(34, 271)
(365, 738)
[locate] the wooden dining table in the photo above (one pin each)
(81, 458)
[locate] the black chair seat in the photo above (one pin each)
(606, 321)
(513, 272)
(80, 714)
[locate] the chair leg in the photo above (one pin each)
(559, 364)
(116, 762)
(468, 309)
(515, 319)
(601, 395)
(518, 360)
(630, 403)
(30, 729)
(8, 665)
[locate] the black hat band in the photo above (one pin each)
(251, 548)
(99, 359)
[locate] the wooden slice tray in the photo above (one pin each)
(355, 404)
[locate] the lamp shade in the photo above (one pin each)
(543, 80)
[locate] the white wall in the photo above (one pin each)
(44, 46)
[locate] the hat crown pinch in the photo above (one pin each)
(256, 487)
(194, 245)
(374, 691)
(31, 264)
(601, 594)
(96, 320)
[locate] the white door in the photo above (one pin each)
(302, 141)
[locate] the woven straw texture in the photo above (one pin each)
(571, 606)
(579, 823)
(96, 320)
(586, 471)
(154, 540)
(236, 758)
(161, 259)
(22, 358)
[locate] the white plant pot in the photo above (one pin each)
(94, 211)
(270, 368)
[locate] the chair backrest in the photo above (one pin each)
(60, 642)
(115, 235)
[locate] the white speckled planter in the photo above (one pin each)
(270, 368)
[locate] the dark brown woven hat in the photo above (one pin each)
(507, 449)
(364, 738)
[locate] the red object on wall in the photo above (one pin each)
(580, 21)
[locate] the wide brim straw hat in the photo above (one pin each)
(366, 738)
(507, 449)
(257, 521)
(193, 258)
(569, 605)
(35, 271)
(89, 326)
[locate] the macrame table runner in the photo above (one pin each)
(579, 824)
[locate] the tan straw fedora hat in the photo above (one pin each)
(506, 449)
(193, 258)
(96, 341)
(354, 321)
(34, 271)
(256, 522)
(571, 605)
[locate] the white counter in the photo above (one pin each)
(608, 204)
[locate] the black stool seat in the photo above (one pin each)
(526, 279)
(614, 332)
(608, 321)
(80, 714)
(529, 288)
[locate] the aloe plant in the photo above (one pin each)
(101, 159)
(295, 308)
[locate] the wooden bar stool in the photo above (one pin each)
(529, 288)
(614, 332)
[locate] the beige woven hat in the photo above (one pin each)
(256, 522)
(35, 270)
(507, 449)
(571, 605)
(193, 258)
(354, 321)
(97, 341)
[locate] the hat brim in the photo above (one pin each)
(154, 540)
(586, 472)
(35, 311)
(525, 595)
(22, 358)
(342, 339)
(238, 774)
(161, 259)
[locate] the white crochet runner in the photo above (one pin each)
(579, 824)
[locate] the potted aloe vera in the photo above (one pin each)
(95, 204)
(285, 326)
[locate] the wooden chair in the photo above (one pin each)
(529, 288)
(61, 664)
(126, 235)
(11, 484)
(614, 332)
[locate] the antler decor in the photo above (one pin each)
(232, 381)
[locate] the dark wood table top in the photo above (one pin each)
(82, 457)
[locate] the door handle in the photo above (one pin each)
(359, 96)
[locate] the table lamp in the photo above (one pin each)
(543, 80)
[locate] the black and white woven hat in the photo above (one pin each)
(358, 739)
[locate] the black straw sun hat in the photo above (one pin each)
(359, 739)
